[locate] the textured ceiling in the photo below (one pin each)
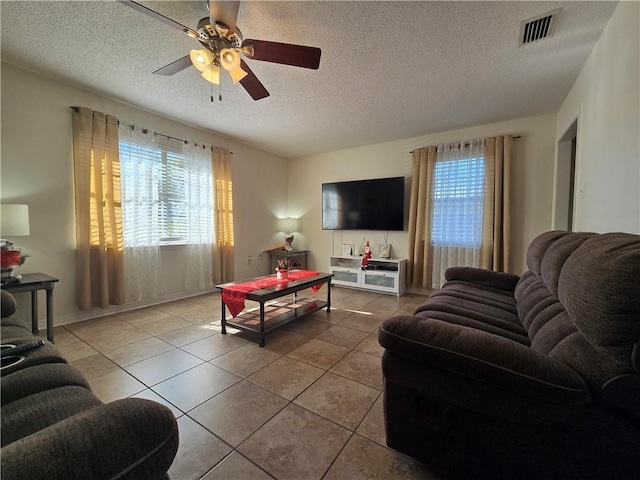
(389, 70)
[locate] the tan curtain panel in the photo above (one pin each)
(419, 265)
(222, 215)
(496, 222)
(495, 247)
(99, 240)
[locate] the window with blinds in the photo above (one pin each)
(458, 202)
(162, 194)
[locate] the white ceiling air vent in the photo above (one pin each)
(538, 28)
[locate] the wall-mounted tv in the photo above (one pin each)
(376, 204)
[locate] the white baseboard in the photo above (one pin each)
(81, 316)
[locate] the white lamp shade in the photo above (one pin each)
(288, 225)
(212, 74)
(14, 220)
(201, 59)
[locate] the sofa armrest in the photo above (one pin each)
(483, 357)
(479, 276)
(125, 439)
(7, 304)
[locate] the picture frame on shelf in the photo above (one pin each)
(385, 250)
(348, 249)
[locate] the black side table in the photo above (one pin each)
(32, 282)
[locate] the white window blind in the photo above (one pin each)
(458, 201)
(163, 191)
(458, 193)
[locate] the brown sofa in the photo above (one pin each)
(532, 377)
(54, 427)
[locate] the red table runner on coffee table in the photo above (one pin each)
(235, 295)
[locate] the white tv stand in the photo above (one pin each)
(386, 275)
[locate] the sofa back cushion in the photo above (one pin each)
(580, 304)
(600, 288)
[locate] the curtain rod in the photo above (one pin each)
(144, 130)
(467, 143)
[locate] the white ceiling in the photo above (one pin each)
(389, 70)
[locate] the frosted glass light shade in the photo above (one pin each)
(14, 220)
(201, 59)
(237, 74)
(229, 59)
(212, 74)
(288, 225)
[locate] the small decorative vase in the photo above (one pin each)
(8, 272)
(9, 260)
(282, 274)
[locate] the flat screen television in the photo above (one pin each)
(376, 204)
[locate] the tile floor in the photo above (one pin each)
(306, 406)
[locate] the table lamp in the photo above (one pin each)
(288, 226)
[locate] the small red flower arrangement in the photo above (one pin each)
(282, 270)
(10, 256)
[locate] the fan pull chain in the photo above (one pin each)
(219, 93)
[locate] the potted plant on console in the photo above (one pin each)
(282, 270)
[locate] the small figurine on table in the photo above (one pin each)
(367, 255)
(288, 239)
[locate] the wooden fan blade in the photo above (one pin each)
(224, 11)
(174, 67)
(159, 16)
(251, 84)
(284, 53)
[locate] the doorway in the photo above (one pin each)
(564, 210)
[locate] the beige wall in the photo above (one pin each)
(605, 98)
(532, 184)
(37, 170)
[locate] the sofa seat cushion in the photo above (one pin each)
(465, 290)
(491, 312)
(13, 330)
(39, 378)
(13, 322)
(40, 410)
(46, 353)
(482, 357)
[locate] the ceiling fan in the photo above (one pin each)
(224, 47)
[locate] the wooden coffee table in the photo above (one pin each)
(275, 314)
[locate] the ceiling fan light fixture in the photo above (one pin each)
(223, 46)
(201, 59)
(229, 59)
(237, 74)
(212, 74)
